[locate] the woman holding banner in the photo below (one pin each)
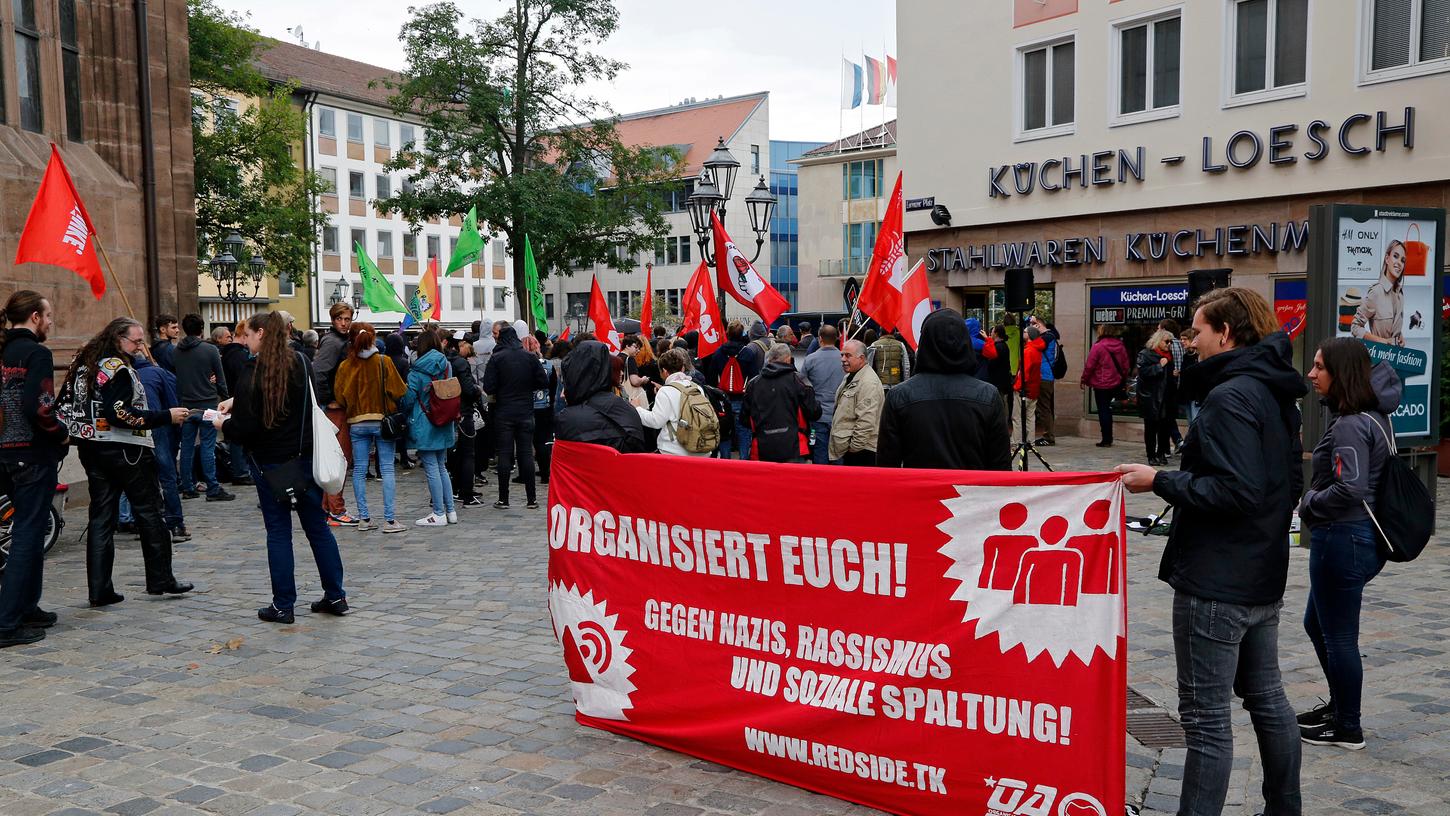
(1381, 314)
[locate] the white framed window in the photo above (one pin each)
(478, 297)
(405, 135)
(384, 186)
(285, 287)
(1268, 45)
(329, 240)
(1403, 38)
(385, 245)
(382, 132)
(354, 127)
(327, 123)
(329, 179)
(410, 245)
(455, 296)
(500, 298)
(1148, 53)
(1046, 74)
(355, 184)
(359, 239)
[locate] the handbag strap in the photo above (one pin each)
(1393, 451)
(308, 400)
(382, 385)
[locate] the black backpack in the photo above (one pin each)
(721, 403)
(1406, 517)
(1059, 361)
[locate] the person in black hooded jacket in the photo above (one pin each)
(779, 407)
(592, 412)
(943, 416)
(511, 378)
(1227, 557)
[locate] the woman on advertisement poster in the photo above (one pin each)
(1381, 314)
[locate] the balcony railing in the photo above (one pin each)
(842, 267)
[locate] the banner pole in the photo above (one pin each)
(112, 270)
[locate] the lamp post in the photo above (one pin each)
(231, 279)
(712, 194)
(577, 312)
(339, 295)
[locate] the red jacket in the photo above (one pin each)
(1032, 352)
(1107, 364)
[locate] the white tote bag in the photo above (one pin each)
(329, 466)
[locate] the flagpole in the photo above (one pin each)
(114, 278)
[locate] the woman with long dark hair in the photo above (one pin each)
(1348, 463)
(271, 415)
(104, 404)
(367, 389)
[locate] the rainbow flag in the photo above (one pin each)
(877, 81)
(426, 304)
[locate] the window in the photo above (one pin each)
(27, 66)
(359, 239)
(329, 179)
(455, 298)
(1148, 66)
(755, 160)
(382, 132)
(499, 258)
(384, 186)
(70, 61)
(433, 244)
(452, 247)
(1045, 75)
(1268, 39)
(671, 296)
(285, 287)
(329, 240)
(548, 307)
(355, 184)
(676, 198)
(1408, 37)
(354, 127)
(676, 250)
(410, 290)
(500, 298)
(862, 179)
(410, 245)
(478, 298)
(327, 122)
(405, 135)
(858, 241)
(385, 245)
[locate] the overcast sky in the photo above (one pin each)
(791, 48)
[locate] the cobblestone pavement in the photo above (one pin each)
(444, 692)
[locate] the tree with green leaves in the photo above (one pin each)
(247, 178)
(508, 129)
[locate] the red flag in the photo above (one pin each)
(700, 312)
(647, 311)
(738, 277)
(915, 304)
(564, 335)
(881, 294)
(59, 230)
(603, 324)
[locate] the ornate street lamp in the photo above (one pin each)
(231, 279)
(578, 312)
(712, 195)
(339, 292)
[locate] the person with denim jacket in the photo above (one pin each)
(1348, 463)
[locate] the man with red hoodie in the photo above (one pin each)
(1028, 384)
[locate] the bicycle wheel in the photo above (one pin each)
(7, 518)
(53, 527)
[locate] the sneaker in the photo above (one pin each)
(392, 526)
(179, 534)
(452, 516)
(473, 501)
(220, 495)
(365, 525)
(533, 505)
(480, 480)
(243, 481)
(336, 607)
(432, 520)
(1331, 734)
(342, 520)
(500, 505)
(20, 635)
(189, 494)
(1321, 714)
(39, 619)
(1044, 441)
(1104, 444)
(272, 614)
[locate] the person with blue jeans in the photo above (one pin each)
(1348, 464)
(271, 415)
(160, 386)
(822, 369)
(431, 441)
(730, 377)
(513, 377)
(367, 388)
(1227, 556)
(200, 384)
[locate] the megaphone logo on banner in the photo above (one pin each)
(594, 652)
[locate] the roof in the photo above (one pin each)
(872, 138)
(325, 73)
(693, 128)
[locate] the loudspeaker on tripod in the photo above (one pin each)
(1018, 288)
(1203, 281)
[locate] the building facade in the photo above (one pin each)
(1113, 147)
(70, 74)
(352, 133)
(785, 221)
(693, 128)
(844, 189)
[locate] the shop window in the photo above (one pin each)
(1267, 40)
(327, 122)
(1407, 38)
(1149, 59)
(70, 60)
(27, 66)
(1046, 86)
(1134, 312)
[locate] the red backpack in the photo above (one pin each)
(732, 379)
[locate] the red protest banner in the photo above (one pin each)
(931, 642)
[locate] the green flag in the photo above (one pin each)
(378, 294)
(536, 291)
(470, 244)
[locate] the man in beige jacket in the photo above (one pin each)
(857, 420)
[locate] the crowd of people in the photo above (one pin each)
(490, 403)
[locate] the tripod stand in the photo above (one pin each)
(1020, 451)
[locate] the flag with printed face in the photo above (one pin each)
(881, 294)
(470, 244)
(378, 294)
(915, 304)
(700, 312)
(58, 230)
(737, 276)
(603, 324)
